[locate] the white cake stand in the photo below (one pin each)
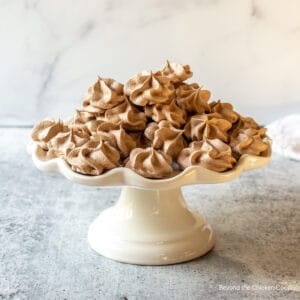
(150, 223)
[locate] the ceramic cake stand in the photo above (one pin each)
(150, 223)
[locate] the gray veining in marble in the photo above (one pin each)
(44, 253)
(245, 52)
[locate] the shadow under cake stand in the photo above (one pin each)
(150, 224)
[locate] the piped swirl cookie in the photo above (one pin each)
(93, 158)
(248, 138)
(175, 72)
(166, 137)
(147, 88)
(210, 126)
(45, 130)
(211, 154)
(104, 94)
(116, 135)
(130, 117)
(170, 112)
(191, 98)
(150, 163)
(152, 124)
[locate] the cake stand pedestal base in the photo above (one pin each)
(150, 227)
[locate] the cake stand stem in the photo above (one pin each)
(150, 227)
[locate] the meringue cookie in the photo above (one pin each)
(93, 125)
(212, 154)
(210, 126)
(116, 135)
(170, 112)
(140, 139)
(175, 72)
(104, 94)
(94, 158)
(249, 141)
(81, 120)
(166, 137)
(115, 119)
(147, 88)
(46, 130)
(150, 163)
(225, 110)
(129, 116)
(191, 98)
(245, 123)
(66, 141)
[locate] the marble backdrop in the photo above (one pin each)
(246, 52)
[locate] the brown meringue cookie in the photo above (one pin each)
(96, 111)
(128, 115)
(249, 141)
(116, 135)
(104, 94)
(83, 116)
(64, 142)
(140, 139)
(166, 137)
(245, 123)
(150, 131)
(81, 120)
(212, 154)
(210, 126)
(45, 130)
(175, 72)
(150, 163)
(170, 112)
(147, 88)
(225, 110)
(93, 158)
(93, 125)
(191, 98)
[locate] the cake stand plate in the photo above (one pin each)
(150, 224)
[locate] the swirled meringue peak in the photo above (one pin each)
(150, 163)
(192, 98)
(66, 141)
(104, 94)
(147, 88)
(166, 137)
(45, 130)
(245, 123)
(116, 135)
(225, 110)
(81, 120)
(147, 124)
(212, 154)
(131, 118)
(175, 72)
(210, 126)
(140, 139)
(170, 112)
(94, 158)
(249, 140)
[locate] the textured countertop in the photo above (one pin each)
(44, 252)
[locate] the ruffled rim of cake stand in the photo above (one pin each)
(126, 177)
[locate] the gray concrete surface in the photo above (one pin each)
(44, 253)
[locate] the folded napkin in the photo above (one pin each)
(285, 134)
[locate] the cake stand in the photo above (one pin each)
(150, 224)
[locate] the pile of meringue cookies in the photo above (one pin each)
(156, 124)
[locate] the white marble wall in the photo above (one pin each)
(246, 52)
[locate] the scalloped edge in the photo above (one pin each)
(126, 177)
